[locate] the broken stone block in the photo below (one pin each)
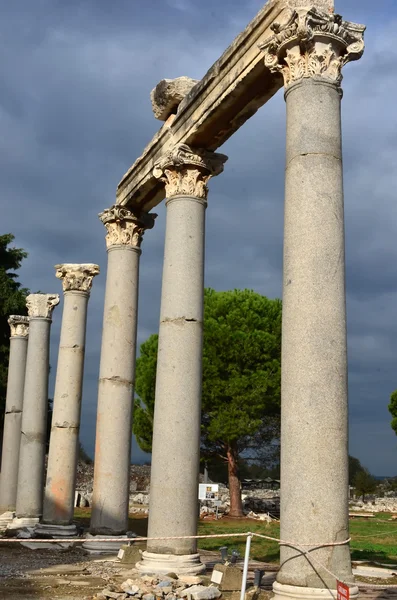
(129, 554)
(201, 592)
(228, 578)
(190, 579)
(168, 94)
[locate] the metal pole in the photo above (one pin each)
(245, 570)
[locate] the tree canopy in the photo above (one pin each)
(12, 301)
(241, 381)
(393, 410)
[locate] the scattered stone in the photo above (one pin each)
(190, 579)
(109, 594)
(163, 589)
(148, 597)
(201, 592)
(172, 575)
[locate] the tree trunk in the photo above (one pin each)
(236, 505)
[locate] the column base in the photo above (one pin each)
(6, 519)
(55, 531)
(23, 522)
(103, 547)
(188, 564)
(294, 592)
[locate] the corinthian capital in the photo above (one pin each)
(41, 305)
(76, 278)
(313, 43)
(19, 326)
(186, 172)
(124, 227)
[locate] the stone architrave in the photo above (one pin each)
(64, 440)
(13, 414)
(310, 50)
(29, 504)
(116, 376)
(176, 429)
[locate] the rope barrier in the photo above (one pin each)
(304, 549)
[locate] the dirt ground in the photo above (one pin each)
(71, 574)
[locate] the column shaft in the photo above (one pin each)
(64, 440)
(115, 393)
(12, 423)
(34, 422)
(176, 429)
(314, 467)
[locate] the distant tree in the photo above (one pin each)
(12, 301)
(83, 456)
(355, 467)
(365, 483)
(393, 410)
(241, 382)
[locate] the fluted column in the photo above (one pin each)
(29, 505)
(116, 376)
(173, 506)
(64, 440)
(13, 415)
(310, 51)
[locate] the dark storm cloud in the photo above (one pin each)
(75, 113)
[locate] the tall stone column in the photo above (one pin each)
(116, 375)
(173, 508)
(310, 51)
(13, 416)
(29, 505)
(64, 440)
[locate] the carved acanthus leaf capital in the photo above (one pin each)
(313, 43)
(76, 277)
(186, 171)
(41, 305)
(124, 228)
(19, 326)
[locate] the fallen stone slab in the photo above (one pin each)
(201, 592)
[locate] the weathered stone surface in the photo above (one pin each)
(325, 5)
(168, 94)
(232, 90)
(29, 502)
(190, 579)
(13, 414)
(231, 577)
(201, 592)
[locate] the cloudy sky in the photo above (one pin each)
(75, 112)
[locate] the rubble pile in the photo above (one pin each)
(139, 480)
(375, 505)
(167, 587)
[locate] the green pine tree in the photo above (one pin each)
(241, 381)
(12, 301)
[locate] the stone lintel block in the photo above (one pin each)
(168, 94)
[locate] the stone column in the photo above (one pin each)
(13, 416)
(310, 51)
(29, 505)
(116, 375)
(176, 430)
(64, 441)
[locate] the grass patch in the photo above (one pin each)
(372, 539)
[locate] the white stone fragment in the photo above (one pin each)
(168, 94)
(201, 592)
